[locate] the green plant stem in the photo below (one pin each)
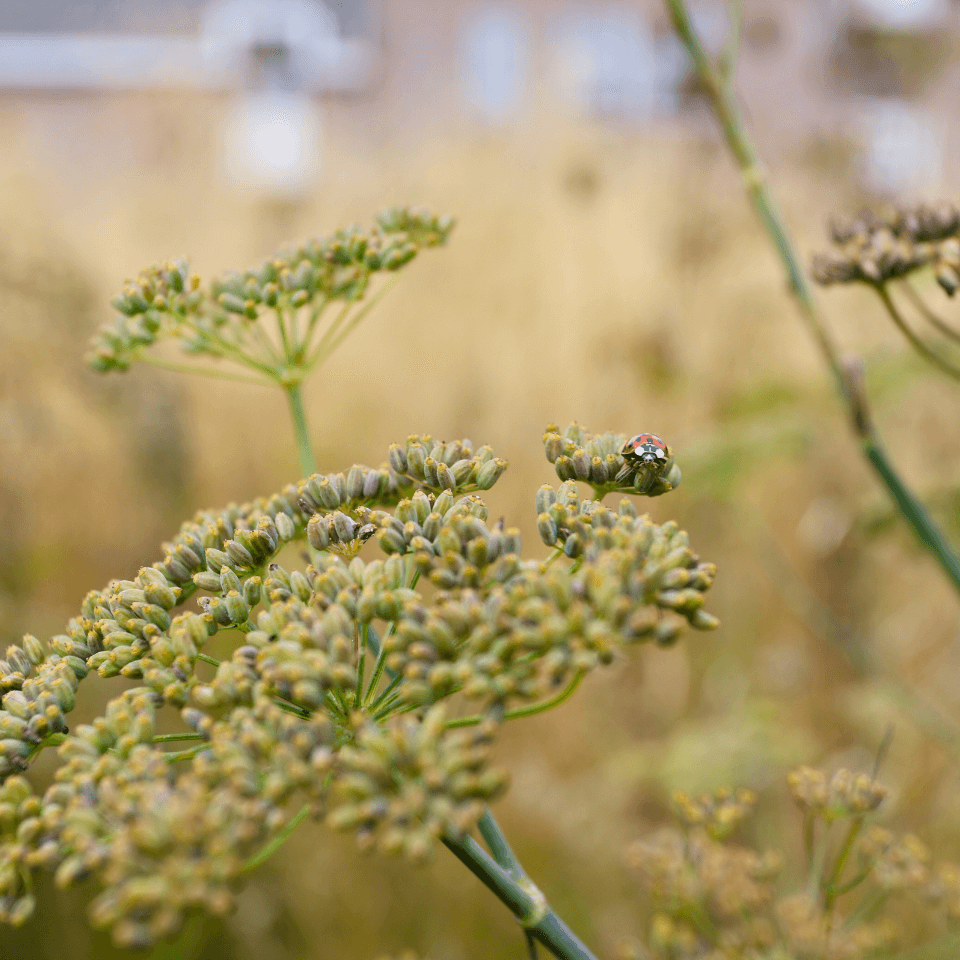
(271, 848)
(948, 368)
(866, 909)
(727, 112)
(177, 737)
(373, 641)
(529, 711)
(299, 417)
(53, 740)
(499, 846)
(919, 304)
(230, 351)
(385, 693)
(315, 314)
(522, 898)
(202, 371)
(330, 342)
(815, 876)
(830, 887)
(328, 334)
(362, 661)
(915, 513)
(284, 339)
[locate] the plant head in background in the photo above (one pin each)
(717, 899)
(887, 250)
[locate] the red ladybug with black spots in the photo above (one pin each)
(648, 464)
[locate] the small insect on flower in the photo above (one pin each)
(645, 448)
(648, 464)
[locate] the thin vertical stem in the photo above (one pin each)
(727, 112)
(299, 417)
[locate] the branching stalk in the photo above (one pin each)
(920, 305)
(727, 111)
(944, 365)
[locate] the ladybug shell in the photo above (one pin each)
(645, 444)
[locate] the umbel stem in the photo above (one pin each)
(299, 418)
(501, 873)
(726, 109)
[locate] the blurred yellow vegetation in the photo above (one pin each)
(593, 275)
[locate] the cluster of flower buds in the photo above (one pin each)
(604, 462)
(717, 900)
(163, 833)
(664, 572)
(404, 784)
(167, 301)
(719, 814)
(845, 794)
(733, 883)
(437, 465)
(877, 247)
(807, 930)
(896, 863)
(291, 714)
(40, 689)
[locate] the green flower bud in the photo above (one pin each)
(415, 461)
(581, 464)
(286, 528)
(252, 589)
(398, 458)
(344, 528)
(229, 581)
(553, 445)
(217, 559)
(490, 473)
(445, 477)
(328, 494)
(237, 608)
(238, 554)
(564, 467)
(547, 528)
(355, 483)
(462, 472)
(701, 620)
(599, 472)
(318, 532)
(207, 581)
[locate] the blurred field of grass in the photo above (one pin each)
(594, 275)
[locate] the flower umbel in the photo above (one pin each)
(329, 697)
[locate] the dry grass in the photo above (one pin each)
(593, 275)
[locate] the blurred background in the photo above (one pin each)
(605, 268)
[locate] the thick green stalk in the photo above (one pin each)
(299, 417)
(526, 903)
(915, 513)
(727, 111)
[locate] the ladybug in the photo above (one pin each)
(648, 466)
(645, 448)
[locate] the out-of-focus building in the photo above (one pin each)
(884, 74)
